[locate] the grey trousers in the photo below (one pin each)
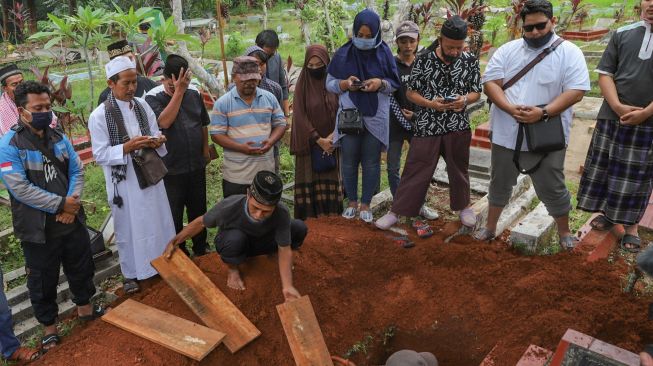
(548, 180)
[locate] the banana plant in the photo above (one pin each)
(166, 33)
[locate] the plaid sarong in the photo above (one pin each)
(618, 172)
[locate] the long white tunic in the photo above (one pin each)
(143, 225)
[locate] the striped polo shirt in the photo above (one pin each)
(233, 117)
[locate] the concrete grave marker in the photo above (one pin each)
(578, 349)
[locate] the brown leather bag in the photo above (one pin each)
(149, 167)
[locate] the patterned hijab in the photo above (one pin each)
(314, 109)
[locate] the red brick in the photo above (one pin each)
(482, 142)
(534, 356)
(483, 130)
(614, 353)
(585, 341)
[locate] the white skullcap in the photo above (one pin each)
(118, 64)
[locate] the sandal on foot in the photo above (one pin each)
(130, 286)
(349, 213)
(568, 242)
(50, 341)
(366, 216)
(601, 223)
(402, 241)
(484, 234)
(468, 217)
(25, 354)
(631, 243)
(428, 213)
(386, 221)
(422, 228)
(97, 312)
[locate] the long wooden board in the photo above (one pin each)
(303, 333)
(206, 300)
(180, 335)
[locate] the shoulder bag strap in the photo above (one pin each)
(532, 64)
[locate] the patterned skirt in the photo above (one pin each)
(316, 194)
(618, 172)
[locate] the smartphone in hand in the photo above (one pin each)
(450, 98)
(357, 84)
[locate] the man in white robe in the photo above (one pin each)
(142, 217)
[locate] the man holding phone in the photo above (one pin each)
(443, 82)
(247, 121)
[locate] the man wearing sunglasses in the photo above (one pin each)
(549, 89)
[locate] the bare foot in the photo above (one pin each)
(234, 280)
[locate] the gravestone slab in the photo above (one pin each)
(578, 349)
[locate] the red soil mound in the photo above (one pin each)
(457, 300)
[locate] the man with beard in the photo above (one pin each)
(442, 82)
(549, 89)
(247, 121)
(121, 127)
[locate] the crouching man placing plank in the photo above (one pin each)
(251, 225)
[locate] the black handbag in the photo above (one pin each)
(350, 122)
(149, 167)
(541, 137)
(321, 161)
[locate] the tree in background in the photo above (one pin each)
(87, 27)
(325, 16)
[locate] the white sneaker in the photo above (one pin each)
(349, 213)
(387, 221)
(428, 213)
(366, 216)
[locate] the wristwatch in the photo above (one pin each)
(545, 115)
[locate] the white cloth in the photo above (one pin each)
(144, 223)
(118, 64)
(564, 69)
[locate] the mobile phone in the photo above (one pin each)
(357, 84)
(153, 137)
(450, 99)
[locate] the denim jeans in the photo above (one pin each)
(8, 341)
(363, 150)
(393, 157)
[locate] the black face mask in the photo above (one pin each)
(318, 73)
(539, 41)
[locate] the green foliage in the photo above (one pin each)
(315, 13)
(166, 30)
(128, 21)
(235, 46)
(11, 253)
(494, 25)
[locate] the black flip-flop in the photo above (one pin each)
(130, 286)
(97, 312)
(601, 223)
(634, 241)
(50, 339)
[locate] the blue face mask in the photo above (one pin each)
(364, 44)
(41, 120)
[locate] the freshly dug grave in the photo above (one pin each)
(457, 300)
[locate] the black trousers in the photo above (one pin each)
(42, 263)
(235, 246)
(188, 191)
(229, 189)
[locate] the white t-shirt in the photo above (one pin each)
(564, 69)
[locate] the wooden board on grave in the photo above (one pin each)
(206, 300)
(303, 333)
(180, 335)
(578, 349)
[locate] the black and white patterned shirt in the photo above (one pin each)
(432, 78)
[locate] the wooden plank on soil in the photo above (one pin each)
(180, 335)
(206, 300)
(303, 333)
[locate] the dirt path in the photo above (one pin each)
(456, 300)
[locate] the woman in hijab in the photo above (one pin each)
(364, 75)
(317, 178)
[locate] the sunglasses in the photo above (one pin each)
(539, 26)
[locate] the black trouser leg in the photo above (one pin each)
(176, 191)
(229, 189)
(188, 191)
(42, 262)
(232, 246)
(196, 206)
(78, 265)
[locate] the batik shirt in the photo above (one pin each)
(432, 78)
